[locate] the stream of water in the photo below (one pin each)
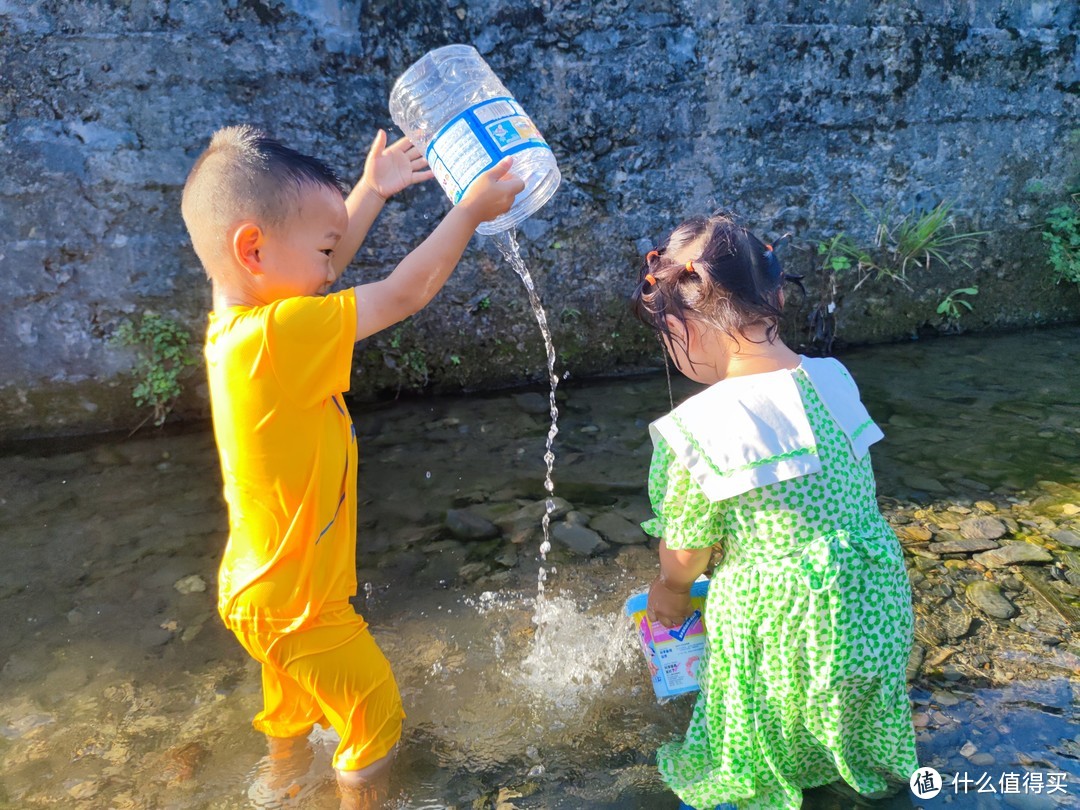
(120, 690)
(506, 242)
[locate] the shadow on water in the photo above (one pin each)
(119, 688)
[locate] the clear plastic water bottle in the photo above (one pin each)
(457, 112)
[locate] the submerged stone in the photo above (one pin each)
(987, 597)
(1066, 537)
(466, 525)
(913, 534)
(982, 528)
(948, 620)
(191, 584)
(1013, 553)
(532, 403)
(924, 483)
(961, 545)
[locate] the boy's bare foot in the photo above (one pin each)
(279, 776)
(367, 788)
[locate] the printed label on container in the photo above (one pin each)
(672, 653)
(474, 141)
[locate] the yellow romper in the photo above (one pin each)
(288, 459)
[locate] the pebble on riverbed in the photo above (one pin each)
(982, 528)
(987, 597)
(191, 584)
(1012, 553)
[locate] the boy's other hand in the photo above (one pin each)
(492, 193)
(389, 169)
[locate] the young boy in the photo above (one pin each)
(273, 233)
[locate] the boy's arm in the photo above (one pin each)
(422, 273)
(669, 594)
(387, 170)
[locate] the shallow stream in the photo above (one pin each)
(120, 689)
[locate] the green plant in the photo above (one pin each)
(409, 363)
(901, 244)
(914, 239)
(164, 351)
(1062, 234)
(949, 308)
(840, 255)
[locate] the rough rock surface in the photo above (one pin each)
(787, 113)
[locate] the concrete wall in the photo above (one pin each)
(784, 112)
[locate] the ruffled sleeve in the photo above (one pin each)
(684, 517)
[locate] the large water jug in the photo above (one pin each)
(455, 109)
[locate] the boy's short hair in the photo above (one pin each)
(245, 174)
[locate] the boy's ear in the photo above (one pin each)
(247, 243)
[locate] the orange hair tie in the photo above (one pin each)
(649, 277)
(768, 248)
(690, 267)
(650, 255)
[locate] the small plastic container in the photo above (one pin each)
(456, 111)
(672, 653)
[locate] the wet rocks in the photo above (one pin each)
(913, 534)
(83, 789)
(982, 528)
(467, 525)
(1066, 537)
(617, 529)
(987, 597)
(960, 545)
(578, 539)
(529, 517)
(948, 620)
(179, 763)
(190, 584)
(532, 402)
(1013, 553)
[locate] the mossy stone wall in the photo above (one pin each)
(785, 112)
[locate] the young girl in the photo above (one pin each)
(809, 613)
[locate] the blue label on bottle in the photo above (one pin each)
(478, 138)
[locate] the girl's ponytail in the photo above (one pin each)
(712, 270)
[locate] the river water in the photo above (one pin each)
(120, 689)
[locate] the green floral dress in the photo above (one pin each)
(809, 622)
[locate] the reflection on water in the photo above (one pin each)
(119, 688)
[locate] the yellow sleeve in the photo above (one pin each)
(309, 343)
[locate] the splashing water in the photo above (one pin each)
(576, 652)
(507, 244)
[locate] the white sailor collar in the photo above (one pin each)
(746, 432)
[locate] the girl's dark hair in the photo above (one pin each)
(731, 282)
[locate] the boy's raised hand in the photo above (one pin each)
(492, 193)
(389, 169)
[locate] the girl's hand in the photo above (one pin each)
(668, 604)
(389, 169)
